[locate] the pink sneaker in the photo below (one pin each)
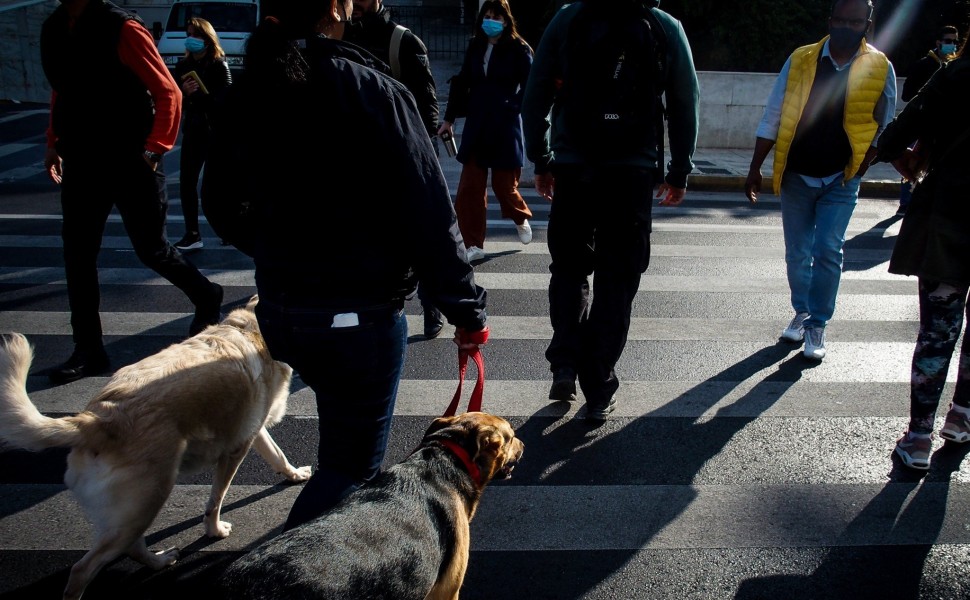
(957, 427)
(914, 450)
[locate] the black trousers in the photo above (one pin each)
(600, 223)
(195, 148)
(92, 185)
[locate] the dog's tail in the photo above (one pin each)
(21, 424)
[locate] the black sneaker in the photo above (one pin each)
(600, 413)
(190, 241)
(433, 322)
(208, 313)
(84, 362)
(563, 385)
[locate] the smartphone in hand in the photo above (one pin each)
(198, 80)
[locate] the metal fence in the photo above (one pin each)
(443, 29)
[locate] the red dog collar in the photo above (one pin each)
(466, 460)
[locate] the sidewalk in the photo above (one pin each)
(715, 169)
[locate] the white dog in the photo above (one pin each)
(202, 402)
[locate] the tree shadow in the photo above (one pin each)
(906, 518)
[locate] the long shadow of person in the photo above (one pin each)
(884, 549)
(870, 248)
(618, 486)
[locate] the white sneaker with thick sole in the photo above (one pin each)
(474, 253)
(795, 332)
(525, 232)
(815, 344)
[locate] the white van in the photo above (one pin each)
(232, 20)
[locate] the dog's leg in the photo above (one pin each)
(225, 471)
(266, 447)
(106, 549)
(153, 560)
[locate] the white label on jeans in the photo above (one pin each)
(345, 320)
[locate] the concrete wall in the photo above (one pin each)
(21, 75)
(731, 107)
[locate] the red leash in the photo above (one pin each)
(475, 402)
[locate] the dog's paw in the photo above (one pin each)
(298, 475)
(164, 558)
(218, 530)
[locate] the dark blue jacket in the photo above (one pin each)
(491, 104)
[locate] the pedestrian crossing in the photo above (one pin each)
(732, 467)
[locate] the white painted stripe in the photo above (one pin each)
(753, 397)
(8, 149)
(501, 327)
(873, 282)
(493, 248)
(24, 113)
(517, 518)
(19, 173)
(658, 226)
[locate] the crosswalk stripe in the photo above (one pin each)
(695, 516)
(750, 398)
(853, 282)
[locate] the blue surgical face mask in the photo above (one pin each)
(948, 48)
(492, 28)
(194, 45)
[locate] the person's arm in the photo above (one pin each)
(458, 95)
(52, 160)
(437, 252)
(416, 75)
(137, 51)
(919, 74)
(682, 95)
(540, 91)
(752, 184)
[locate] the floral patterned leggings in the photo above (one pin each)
(941, 314)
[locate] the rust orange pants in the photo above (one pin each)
(471, 201)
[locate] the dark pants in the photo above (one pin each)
(195, 148)
(941, 311)
(89, 190)
(600, 222)
(354, 373)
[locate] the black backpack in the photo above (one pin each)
(613, 79)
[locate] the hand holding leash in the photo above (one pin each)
(469, 345)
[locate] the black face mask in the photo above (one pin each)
(845, 38)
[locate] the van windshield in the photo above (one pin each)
(224, 16)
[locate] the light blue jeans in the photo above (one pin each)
(814, 220)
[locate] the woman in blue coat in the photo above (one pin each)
(488, 93)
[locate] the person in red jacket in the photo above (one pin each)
(115, 111)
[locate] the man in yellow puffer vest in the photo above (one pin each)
(829, 104)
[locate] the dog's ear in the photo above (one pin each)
(439, 424)
(251, 305)
(489, 447)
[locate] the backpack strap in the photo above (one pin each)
(395, 50)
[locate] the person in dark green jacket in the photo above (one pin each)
(601, 217)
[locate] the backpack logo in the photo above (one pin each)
(612, 80)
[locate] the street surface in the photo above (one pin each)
(732, 467)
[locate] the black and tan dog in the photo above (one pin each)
(403, 536)
(196, 404)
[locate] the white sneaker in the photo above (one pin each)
(525, 231)
(474, 253)
(795, 332)
(815, 344)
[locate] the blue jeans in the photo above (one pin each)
(354, 373)
(815, 220)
